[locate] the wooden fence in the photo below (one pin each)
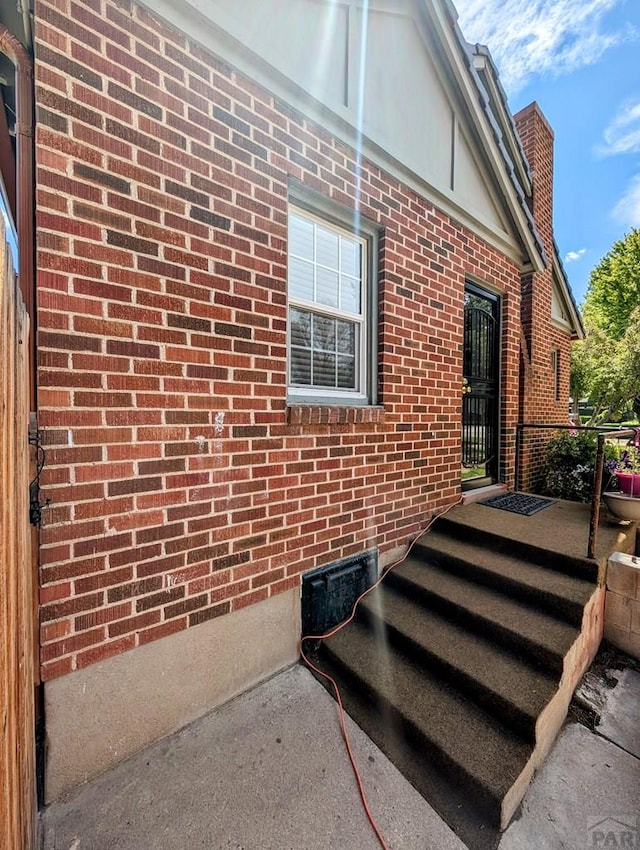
(17, 639)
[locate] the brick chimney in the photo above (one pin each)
(544, 389)
(536, 136)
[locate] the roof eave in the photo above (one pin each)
(476, 99)
(484, 63)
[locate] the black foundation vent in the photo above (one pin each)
(329, 593)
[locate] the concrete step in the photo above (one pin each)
(542, 638)
(471, 747)
(462, 663)
(505, 685)
(559, 593)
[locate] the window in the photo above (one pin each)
(329, 300)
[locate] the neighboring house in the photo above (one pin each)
(294, 270)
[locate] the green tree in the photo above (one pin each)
(610, 369)
(580, 380)
(614, 288)
(631, 356)
(606, 366)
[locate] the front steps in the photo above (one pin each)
(461, 665)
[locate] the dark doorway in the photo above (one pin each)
(481, 388)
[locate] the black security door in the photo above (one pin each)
(481, 387)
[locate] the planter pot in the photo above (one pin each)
(623, 506)
(629, 483)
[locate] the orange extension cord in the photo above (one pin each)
(334, 684)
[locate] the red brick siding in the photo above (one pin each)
(538, 402)
(180, 485)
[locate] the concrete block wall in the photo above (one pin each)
(622, 605)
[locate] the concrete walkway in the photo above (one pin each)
(269, 771)
(588, 791)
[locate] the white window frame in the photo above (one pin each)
(365, 332)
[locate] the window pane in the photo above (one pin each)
(300, 237)
(300, 328)
(324, 333)
(327, 247)
(346, 372)
(350, 295)
(346, 337)
(300, 352)
(350, 257)
(301, 279)
(300, 367)
(326, 287)
(324, 369)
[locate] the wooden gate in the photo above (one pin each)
(17, 639)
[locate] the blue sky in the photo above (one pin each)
(580, 60)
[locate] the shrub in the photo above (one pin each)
(570, 463)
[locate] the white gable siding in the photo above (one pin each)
(307, 40)
(406, 110)
(405, 116)
(471, 186)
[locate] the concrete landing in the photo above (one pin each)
(562, 528)
(268, 771)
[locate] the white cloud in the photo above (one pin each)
(627, 210)
(623, 132)
(572, 256)
(530, 38)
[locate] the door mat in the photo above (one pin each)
(517, 503)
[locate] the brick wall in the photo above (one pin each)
(538, 397)
(180, 485)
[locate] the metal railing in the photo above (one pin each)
(597, 484)
(603, 434)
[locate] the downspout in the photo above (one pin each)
(26, 20)
(13, 49)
